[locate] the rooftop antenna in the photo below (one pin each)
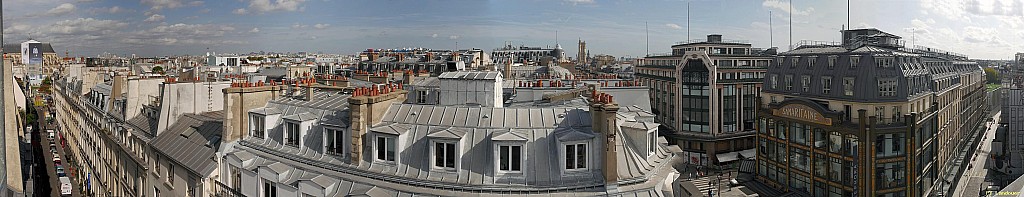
(687, 21)
(790, 24)
(556, 37)
(847, 14)
(771, 30)
(647, 31)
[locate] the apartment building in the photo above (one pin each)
(866, 117)
(322, 140)
(112, 129)
(706, 92)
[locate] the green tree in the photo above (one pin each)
(991, 75)
(158, 69)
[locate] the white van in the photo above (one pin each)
(65, 186)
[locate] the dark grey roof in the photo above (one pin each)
(16, 48)
(192, 141)
(144, 126)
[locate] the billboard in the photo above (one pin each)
(31, 52)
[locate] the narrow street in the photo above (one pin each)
(975, 178)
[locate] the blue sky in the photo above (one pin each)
(988, 29)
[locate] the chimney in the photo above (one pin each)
(117, 88)
(368, 106)
(238, 100)
(714, 38)
(309, 88)
(407, 78)
(602, 112)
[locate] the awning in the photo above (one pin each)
(748, 154)
(727, 157)
(735, 155)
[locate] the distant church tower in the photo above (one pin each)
(581, 56)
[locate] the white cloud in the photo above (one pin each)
(264, 6)
(155, 18)
(85, 26)
(255, 30)
(453, 37)
(577, 2)
(321, 26)
(161, 4)
(115, 10)
(240, 11)
(299, 26)
(673, 26)
(196, 3)
(61, 9)
(433, 35)
(785, 7)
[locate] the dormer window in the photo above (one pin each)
(652, 142)
(257, 126)
(832, 62)
(385, 148)
(810, 61)
(445, 155)
(510, 158)
(854, 61)
(333, 139)
(291, 134)
(575, 156)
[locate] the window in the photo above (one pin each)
(879, 114)
(793, 61)
(333, 141)
(257, 124)
(576, 156)
(826, 85)
(831, 62)
(268, 189)
(788, 82)
(883, 62)
(156, 192)
(170, 172)
(385, 148)
(886, 87)
(422, 97)
(896, 114)
(291, 136)
(810, 61)
(805, 82)
(191, 190)
(236, 178)
(775, 81)
(854, 61)
(848, 86)
(510, 158)
(444, 155)
(652, 142)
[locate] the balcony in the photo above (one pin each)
(222, 190)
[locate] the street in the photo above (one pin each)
(976, 176)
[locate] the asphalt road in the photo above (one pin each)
(976, 177)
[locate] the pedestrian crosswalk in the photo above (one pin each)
(706, 183)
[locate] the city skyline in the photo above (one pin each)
(979, 28)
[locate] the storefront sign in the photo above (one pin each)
(801, 112)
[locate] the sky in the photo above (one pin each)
(982, 29)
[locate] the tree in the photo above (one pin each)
(991, 75)
(158, 69)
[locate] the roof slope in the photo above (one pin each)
(192, 141)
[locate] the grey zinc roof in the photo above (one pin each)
(192, 141)
(265, 111)
(301, 116)
(144, 127)
(470, 75)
